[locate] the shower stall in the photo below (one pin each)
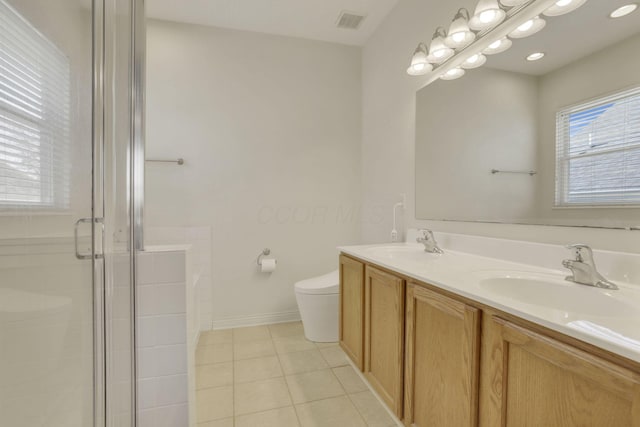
(71, 180)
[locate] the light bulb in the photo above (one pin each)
(452, 74)
(528, 28)
(419, 64)
(474, 61)
(498, 46)
(488, 14)
(438, 50)
(563, 6)
(460, 35)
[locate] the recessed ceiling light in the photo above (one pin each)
(535, 56)
(624, 10)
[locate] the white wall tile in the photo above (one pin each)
(171, 390)
(161, 299)
(147, 363)
(171, 359)
(146, 393)
(169, 267)
(172, 416)
(171, 329)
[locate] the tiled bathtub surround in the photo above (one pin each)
(199, 238)
(166, 338)
(272, 376)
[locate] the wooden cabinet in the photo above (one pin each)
(442, 360)
(535, 380)
(437, 359)
(384, 336)
(352, 309)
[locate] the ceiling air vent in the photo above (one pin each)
(349, 21)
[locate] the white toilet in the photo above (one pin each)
(318, 301)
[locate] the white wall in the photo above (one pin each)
(463, 131)
(389, 129)
(270, 130)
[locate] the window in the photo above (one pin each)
(34, 117)
(598, 152)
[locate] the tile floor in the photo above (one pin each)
(271, 376)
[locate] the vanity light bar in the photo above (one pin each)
(493, 23)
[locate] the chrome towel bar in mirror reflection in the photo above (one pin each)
(179, 161)
(530, 173)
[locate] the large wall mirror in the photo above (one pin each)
(554, 141)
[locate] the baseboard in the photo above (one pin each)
(258, 319)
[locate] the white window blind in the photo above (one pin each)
(598, 152)
(34, 117)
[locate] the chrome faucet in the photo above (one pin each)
(430, 244)
(584, 269)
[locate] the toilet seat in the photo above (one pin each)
(327, 284)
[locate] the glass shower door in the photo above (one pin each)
(66, 244)
(46, 291)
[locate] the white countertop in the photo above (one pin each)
(607, 319)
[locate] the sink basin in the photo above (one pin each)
(556, 293)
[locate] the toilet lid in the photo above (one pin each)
(321, 285)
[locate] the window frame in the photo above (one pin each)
(562, 177)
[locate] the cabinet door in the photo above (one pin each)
(538, 381)
(352, 309)
(384, 336)
(442, 361)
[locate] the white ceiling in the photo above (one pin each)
(568, 38)
(310, 19)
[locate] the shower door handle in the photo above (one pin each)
(75, 236)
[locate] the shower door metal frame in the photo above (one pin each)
(97, 210)
(104, 378)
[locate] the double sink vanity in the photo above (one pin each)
(490, 333)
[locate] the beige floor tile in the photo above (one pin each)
(261, 396)
(215, 375)
(216, 353)
(350, 380)
(334, 356)
(281, 417)
(214, 403)
(302, 361)
(227, 422)
(251, 333)
(253, 349)
(279, 330)
(260, 368)
(222, 336)
(292, 344)
(316, 385)
(372, 410)
(326, 344)
(335, 412)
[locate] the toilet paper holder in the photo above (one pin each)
(265, 252)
